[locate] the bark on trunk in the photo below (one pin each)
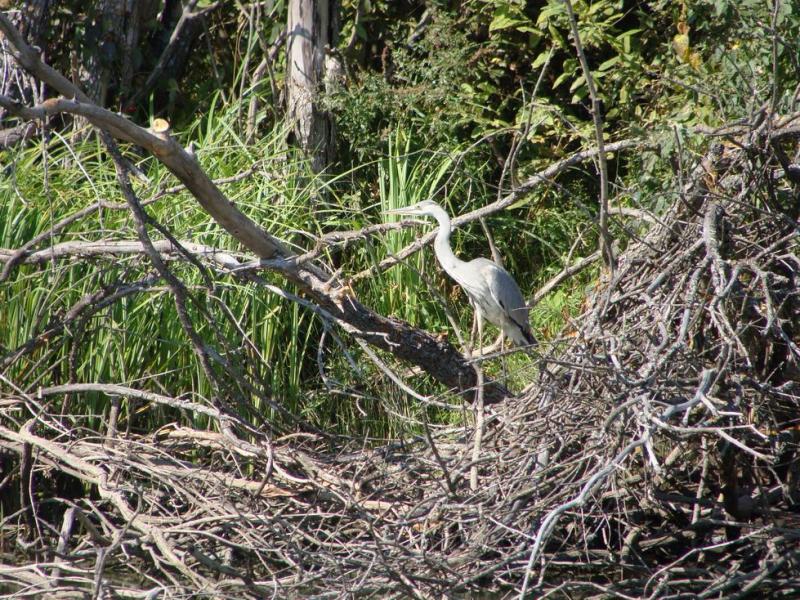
(108, 62)
(109, 50)
(35, 14)
(185, 24)
(16, 83)
(311, 29)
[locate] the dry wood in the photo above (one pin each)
(310, 32)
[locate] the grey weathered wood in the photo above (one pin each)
(311, 29)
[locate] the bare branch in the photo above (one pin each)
(606, 249)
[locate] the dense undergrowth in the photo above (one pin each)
(139, 340)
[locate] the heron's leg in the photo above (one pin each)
(480, 332)
(503, 357)
(474, 329)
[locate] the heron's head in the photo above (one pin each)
(427, 208)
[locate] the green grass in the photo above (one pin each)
(138, 341)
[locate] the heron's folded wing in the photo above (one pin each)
(505, 292)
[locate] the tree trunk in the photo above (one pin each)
(16, 83)
(35, 14)
(107, 65)
(109, 51)
(311, 30)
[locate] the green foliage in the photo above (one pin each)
(471, 72)
(138, 340)
(404, 179)
(423, 88)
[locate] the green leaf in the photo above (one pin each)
(561, 79)
(580, 81)
(505, 17)
(546, 13)
(501, 22)
(540, 59)
(606, 65)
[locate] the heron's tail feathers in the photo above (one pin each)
(530, 340)
(521, 335)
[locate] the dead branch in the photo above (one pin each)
(606, 249)
(437, 357)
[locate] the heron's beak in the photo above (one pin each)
(399, 211)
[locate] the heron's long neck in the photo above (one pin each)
(441, 245)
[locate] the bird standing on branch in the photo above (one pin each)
(492, 292)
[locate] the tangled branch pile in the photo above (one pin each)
(656, 456)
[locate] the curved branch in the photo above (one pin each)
(440, 359)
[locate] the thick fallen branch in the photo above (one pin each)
(440, 359)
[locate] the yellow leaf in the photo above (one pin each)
(680, 43)
(694, 60)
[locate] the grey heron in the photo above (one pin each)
(492, 292)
